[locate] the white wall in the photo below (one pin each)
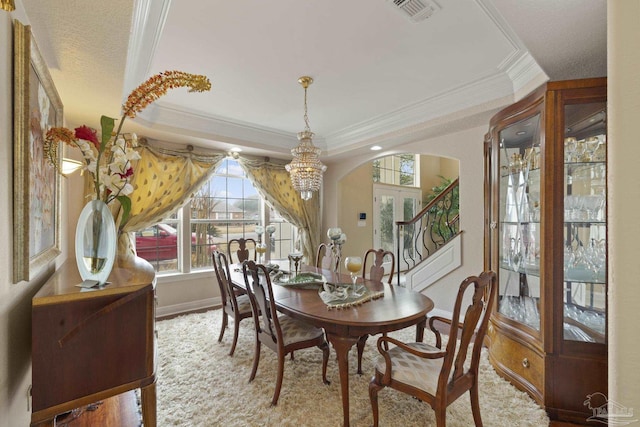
(624, 201)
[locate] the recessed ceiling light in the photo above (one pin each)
(235, 149)
(520, 133)
(375, 148)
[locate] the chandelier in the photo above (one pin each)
(306, 169)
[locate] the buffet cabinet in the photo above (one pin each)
(91, 344)
(546, 237)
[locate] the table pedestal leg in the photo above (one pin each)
(342, 345)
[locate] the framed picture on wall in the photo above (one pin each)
(36, 187)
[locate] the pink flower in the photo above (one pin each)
(88, 134)
(127, 174)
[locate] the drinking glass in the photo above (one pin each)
(261, 249)
(591, 145)
(353, 265)
(579, 151)
(570, 145)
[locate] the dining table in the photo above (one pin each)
(394, 308)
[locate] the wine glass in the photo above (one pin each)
(261, 249)
(591, 145)
(570, 145)
(353, 264)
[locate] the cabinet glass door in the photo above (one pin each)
(585, 223)
(519, 222)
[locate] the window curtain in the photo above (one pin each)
(163, 181)
(274, 185)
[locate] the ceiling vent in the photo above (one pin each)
(415, 10)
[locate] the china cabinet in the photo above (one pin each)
(545, 236)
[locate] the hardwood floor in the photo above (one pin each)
(121, 411)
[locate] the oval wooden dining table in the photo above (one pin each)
(397, 309)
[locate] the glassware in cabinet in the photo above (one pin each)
(519, 214)
(585, 219)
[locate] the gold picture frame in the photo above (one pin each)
(36, 187)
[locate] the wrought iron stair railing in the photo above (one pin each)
(432, 228)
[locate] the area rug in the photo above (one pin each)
(199, 384)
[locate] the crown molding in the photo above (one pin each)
(167, 117)
(471, 96)
(147, 24)
(479, 92)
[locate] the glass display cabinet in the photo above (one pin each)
(545, 236)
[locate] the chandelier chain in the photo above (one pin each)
(306, 117)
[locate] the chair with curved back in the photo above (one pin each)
(434, 375)
(326, 257)
(243, 252)
(236, 306)
(376, 272)
(279, 332)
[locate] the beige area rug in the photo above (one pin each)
(200, 385)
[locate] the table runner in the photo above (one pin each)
(343, 295)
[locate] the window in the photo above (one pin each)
(401, 169)
(227, 206)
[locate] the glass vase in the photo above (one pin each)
(96, 242)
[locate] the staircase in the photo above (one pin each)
(430, 244)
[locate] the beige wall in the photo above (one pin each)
(15, 299)
(432, 168)
(624, 201)
(357, 188)
(465, 147)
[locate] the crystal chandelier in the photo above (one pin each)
(306, 169)
(7, 5)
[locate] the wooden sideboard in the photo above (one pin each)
(91, 344)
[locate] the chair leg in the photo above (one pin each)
(420, 330)
(374, 387)
(361, 343)
(325, 361)
(236, 330)
(224, 325)
(276, 393)
(441, 415)
(256, 360)
(475, 405)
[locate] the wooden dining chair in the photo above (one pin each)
(243, 252)
(326, 257)
(279, 332)
(235, 306)
(434, 375)
(376, 272)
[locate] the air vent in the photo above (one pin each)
(416, 10)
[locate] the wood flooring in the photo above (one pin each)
(121, 411)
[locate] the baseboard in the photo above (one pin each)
(185, 307)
